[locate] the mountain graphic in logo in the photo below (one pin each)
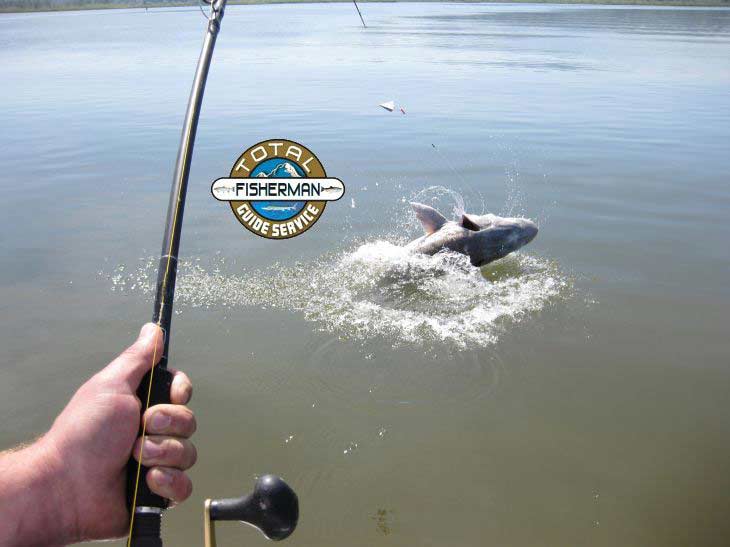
(277, 168)
(283, 170)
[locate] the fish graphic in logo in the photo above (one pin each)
(278, 189)
(277, 168)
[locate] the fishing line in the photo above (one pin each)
(448, 162)
(200, 5)
(154, 354)
(149, 388)
(144, 432)
(163, 293)
(154, 359)
(360, 14)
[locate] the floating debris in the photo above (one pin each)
(389, 106)
(383, 520)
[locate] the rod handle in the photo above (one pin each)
(147, 530)
(159, 394)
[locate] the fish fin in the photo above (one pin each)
(468, 223)
(430, 218)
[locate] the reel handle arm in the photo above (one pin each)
(273, 508)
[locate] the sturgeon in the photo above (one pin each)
(483, 238)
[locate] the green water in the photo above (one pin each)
(573, 394)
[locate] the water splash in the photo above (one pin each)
(377, 289)
(446, 200)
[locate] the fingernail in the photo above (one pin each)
(151, 450)
(163, 477)
(160, 421)
(148, 329)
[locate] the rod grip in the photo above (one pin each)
(159, 394)
(147, 530)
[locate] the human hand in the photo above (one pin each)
(79, 466)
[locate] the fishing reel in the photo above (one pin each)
(272, 508)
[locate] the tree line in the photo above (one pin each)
(41, 5)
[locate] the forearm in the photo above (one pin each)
(33, 508)
(70, 485)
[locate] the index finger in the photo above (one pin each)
(181, 389)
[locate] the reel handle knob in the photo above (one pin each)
(272, 507)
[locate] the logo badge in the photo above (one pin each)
(278, 189)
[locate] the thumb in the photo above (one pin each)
(137, 359)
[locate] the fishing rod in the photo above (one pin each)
(360, 14)
(273, 507)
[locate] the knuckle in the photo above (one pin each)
(184, 487)
(137, 449)
(183, 454)
(192, 455)
(128, 409)
(187, 422)
(183, 421)
(169, 452)
(134, 351)
(179, 449)
(165, 451)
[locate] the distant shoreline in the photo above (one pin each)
(27, 6)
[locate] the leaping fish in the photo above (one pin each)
(483, 238)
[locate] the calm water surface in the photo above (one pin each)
(574, 394)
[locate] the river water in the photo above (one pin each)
(572, 394)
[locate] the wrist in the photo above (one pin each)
(34, 501)
(60, 506)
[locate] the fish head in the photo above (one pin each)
(502, 237)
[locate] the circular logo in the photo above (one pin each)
(278, 189)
